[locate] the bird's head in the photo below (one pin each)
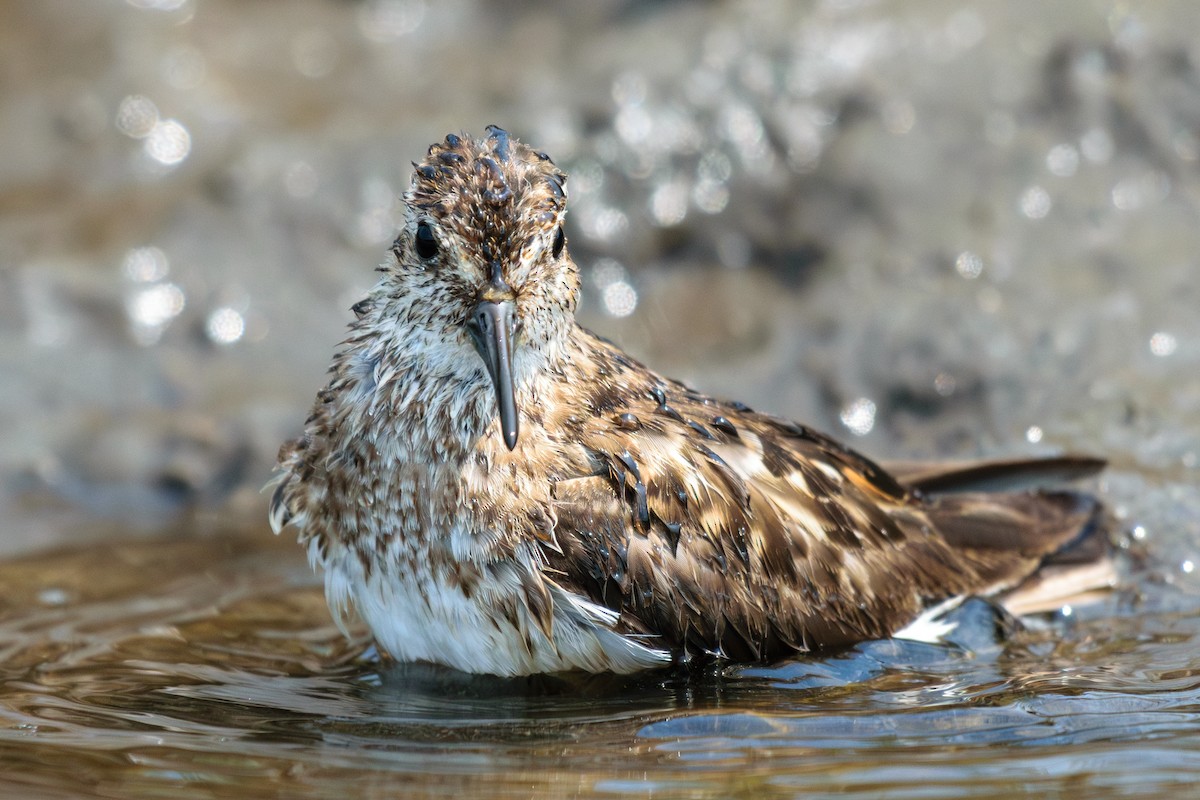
(482, 262)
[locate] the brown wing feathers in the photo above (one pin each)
(1004, 475)
(725, 531)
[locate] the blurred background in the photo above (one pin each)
(935, 229)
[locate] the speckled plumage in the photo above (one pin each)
(630, 521)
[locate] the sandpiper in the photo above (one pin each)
(493, 488)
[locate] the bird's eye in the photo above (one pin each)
(559, 241)
(424, 243)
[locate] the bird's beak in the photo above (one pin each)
(492, 326)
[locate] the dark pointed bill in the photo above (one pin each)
(492, 325)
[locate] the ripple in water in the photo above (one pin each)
(209, 667)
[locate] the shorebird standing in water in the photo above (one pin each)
(494, 488)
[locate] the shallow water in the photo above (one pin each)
(208, 667)
(934, 230)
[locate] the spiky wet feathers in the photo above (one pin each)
(634, 521)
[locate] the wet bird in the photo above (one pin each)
(493, 488)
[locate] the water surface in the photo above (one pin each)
(208, 667)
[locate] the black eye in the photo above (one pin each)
(559, 241)
(426, 246)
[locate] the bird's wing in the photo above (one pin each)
(995, 475)
(726, 531)
(729, 532)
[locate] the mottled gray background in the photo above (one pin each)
(932, 228)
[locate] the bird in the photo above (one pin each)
(492, 488)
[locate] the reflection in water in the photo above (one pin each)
(156, 666)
